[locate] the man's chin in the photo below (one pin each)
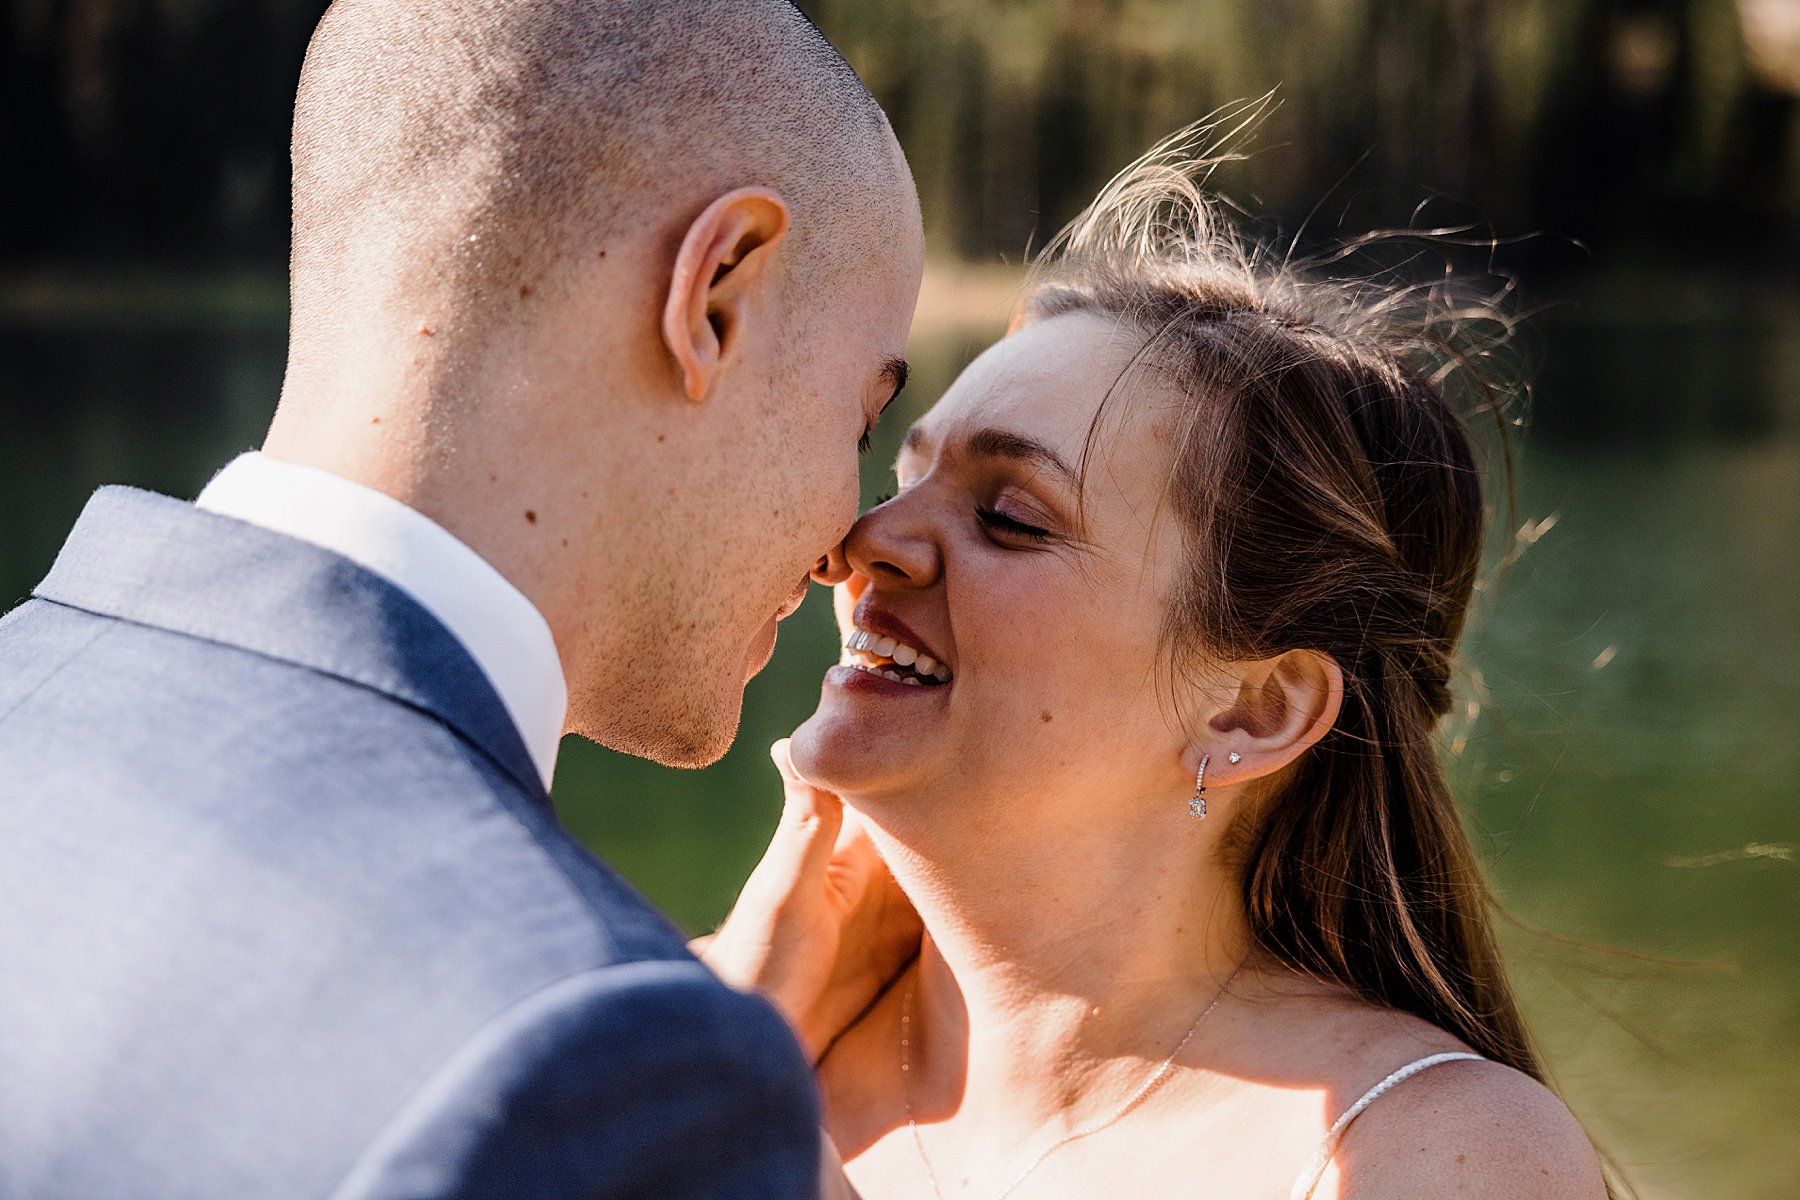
(697, 736)
(696, 755)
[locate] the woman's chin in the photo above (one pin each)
(843, 754)
(818, 750)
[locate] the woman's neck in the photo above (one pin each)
(1058, 968)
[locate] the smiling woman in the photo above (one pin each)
(1195, 540)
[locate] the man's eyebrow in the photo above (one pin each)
(1000, 443)
(895, 371)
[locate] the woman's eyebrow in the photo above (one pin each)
(1002, 443)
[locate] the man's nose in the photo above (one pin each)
(833, 568)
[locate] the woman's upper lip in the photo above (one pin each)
(878, 620)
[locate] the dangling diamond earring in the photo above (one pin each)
(1197, 805)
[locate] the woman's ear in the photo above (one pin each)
(1283, 706)
(722, 270)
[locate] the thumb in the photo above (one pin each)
(804, 802)
(810, 820)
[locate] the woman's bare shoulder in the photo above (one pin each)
(1464, 1128)
(1473, 1129)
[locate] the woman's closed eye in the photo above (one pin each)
(1009, 526)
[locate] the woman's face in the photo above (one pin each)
(1039, 619)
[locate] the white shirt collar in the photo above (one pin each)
(501, 629)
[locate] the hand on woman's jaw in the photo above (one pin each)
(820, 926)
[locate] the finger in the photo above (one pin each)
(856, 864)
(803, 841)
(802, 797)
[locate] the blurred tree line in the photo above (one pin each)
(157, 128)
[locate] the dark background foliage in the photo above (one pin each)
(157, 127)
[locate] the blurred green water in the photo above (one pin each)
(1631, 774)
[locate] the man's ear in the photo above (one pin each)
(1283, 706)
(721, 271)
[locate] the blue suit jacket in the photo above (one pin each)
(285, 912)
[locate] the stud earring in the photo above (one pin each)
(1197, 805)
(1234, 757)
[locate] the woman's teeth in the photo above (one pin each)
(909, 680)
(878, 654)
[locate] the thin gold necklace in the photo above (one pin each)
(1157, 1078)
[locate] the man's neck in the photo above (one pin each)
(394, 455)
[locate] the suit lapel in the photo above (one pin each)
(142, 557)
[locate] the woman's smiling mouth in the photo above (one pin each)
(886, 656)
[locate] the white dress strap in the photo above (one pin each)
(1309, 1178)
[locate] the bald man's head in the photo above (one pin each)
(456, 145)
(611, 290)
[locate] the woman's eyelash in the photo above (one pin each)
(865, 442)
(882, 499)
(999, 520)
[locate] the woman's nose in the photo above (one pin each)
(895, 542)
